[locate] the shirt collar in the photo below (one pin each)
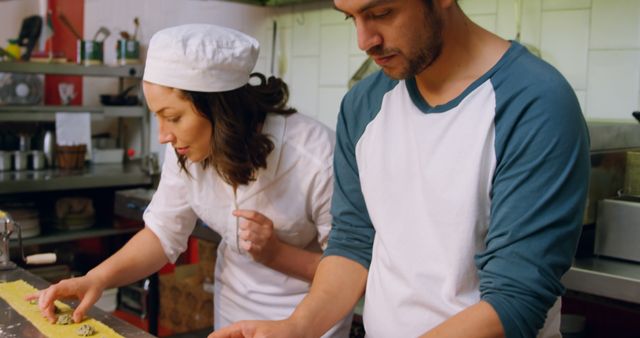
(274, 126)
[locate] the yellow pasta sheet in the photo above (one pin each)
(14, 294)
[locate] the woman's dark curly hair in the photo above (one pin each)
(238, 147)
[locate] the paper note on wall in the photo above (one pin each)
(74, 129)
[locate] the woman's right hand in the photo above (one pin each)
(87, 289)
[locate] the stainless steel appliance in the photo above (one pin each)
(618, 229)
(7, 228)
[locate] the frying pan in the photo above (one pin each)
(121, 99)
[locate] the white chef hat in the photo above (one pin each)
(200, 57)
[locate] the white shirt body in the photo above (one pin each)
(294, 191)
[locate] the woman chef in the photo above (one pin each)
(239, 159)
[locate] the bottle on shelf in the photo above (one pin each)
(13, 48)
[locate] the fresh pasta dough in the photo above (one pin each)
(15, 292)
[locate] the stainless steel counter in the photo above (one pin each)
(605, 277)
(13, 325)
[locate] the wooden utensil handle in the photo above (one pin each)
(68, 24)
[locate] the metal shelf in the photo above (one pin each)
(605, 277)
(128, 71)
(47, 113)
(60, 235)
(93, 176)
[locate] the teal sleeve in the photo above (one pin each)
(352, 233)
(537, 201)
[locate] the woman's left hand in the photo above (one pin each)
(257, 235)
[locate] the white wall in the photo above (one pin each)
(319, 51)
(11, 15)
(118, 15)
(594, 43)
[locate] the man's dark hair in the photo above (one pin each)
(238, 147)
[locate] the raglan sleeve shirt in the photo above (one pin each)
(352, 233)
(537, 197)
(537, 200)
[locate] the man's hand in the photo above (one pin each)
(257, 236)
(259, 329)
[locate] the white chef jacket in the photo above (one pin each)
(294, 191)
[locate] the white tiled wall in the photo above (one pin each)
(594, 43)
(614, 83)
(117, 15)
(615, 24)
(11, 15)
(565, 43)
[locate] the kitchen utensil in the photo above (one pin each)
(7, 228)
(136, 23)
(29, 34)
(121, 99)
(69, 26)
(101, 34)
(48, 147)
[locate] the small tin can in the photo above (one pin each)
(128, 51)
(19, 160)
(37, 160)
(90, 52)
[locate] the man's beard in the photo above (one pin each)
(417, 59)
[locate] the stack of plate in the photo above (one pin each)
(28, 219)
